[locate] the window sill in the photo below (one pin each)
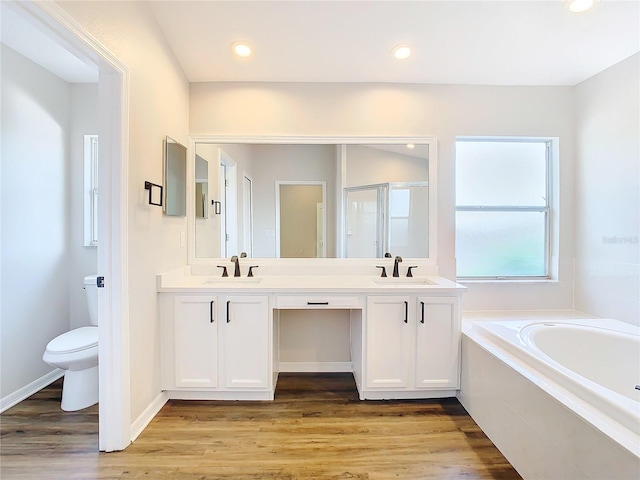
(507, 281)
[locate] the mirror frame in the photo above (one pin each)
(341, 141)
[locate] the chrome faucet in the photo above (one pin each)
(236, 271)
(395, 266)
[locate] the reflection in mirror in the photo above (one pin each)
(386, 217)
(386, 201)
(217, 229)
(300, 221)
(247, 214)
(395, 219)
(175, 178)
(202, 187)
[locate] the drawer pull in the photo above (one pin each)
(317, 303)
(422, 306)
(228, 308)
(406, 312)
(211, 303)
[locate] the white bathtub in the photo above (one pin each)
(589, 366)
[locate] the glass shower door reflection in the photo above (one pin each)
(363, 222)
(408, 225)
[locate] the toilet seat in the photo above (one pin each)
(76, 340)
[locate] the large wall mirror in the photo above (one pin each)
(324, 198)
(175, 178)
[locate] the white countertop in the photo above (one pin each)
(181, 281)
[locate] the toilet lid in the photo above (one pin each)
(75, 340)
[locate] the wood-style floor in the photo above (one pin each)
(315, 429)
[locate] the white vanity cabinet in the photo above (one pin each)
(194, 329)
(389, 336)
(246, 341)
(437, 343)
(216, 347)
(220, 338)
(412, 346)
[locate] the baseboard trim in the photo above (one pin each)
(149, 413)
(316, 367)
(34, 387)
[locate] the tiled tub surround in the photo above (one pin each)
(549, 421)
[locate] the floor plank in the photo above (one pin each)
(316, 428)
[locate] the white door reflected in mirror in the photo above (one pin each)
(300, 219)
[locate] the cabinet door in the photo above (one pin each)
(389, 331)
(196, 342)
(246, 341)
(437, 343)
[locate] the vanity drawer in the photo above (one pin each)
(317, 301)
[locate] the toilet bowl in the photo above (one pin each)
(76, 352)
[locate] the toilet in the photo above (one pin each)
(76, 352)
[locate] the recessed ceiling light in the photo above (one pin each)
(402, 52)
(578, 6)
(410, 146)
(242, 49)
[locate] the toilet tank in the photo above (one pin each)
(91, 291)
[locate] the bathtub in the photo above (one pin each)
(567, 387)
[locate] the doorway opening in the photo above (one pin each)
(65, 35)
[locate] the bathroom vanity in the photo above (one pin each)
(220, 336)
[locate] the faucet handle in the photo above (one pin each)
(384, 270)
(243, 255)
(250, 274)
(409, 272)
(224, 270)
(387, 255)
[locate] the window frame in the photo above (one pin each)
(91, 191)
(547, 209)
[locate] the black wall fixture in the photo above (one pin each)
(150, 186)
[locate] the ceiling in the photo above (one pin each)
(453, 42)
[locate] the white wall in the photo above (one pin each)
(83, 260)
(35, 218)
(158, 106)
(444, 111)
(607, 193)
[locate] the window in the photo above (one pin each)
(502, 208)
(90, 190)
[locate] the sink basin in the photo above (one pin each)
(230, 281)
(403, 281)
